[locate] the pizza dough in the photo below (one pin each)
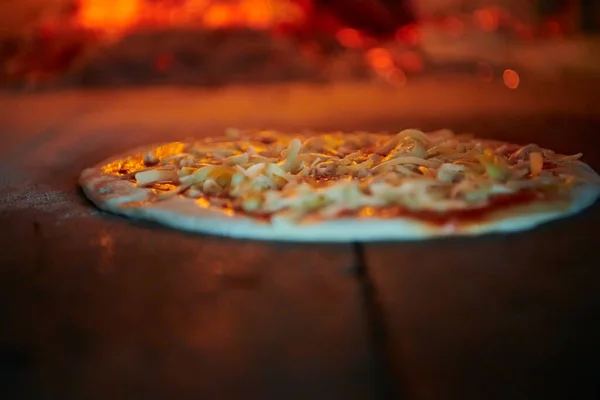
(343, 187)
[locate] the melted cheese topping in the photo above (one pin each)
(323, 175)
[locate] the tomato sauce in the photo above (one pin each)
(466, 216)
(496, 203)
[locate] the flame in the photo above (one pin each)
(112, 16)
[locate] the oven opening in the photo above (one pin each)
(103, 43)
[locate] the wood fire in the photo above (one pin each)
(119, 16)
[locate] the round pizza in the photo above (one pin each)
(343, 187)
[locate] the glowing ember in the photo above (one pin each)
(380, 59)
(350, 38)
(108, 15)
(408, 34)
(488, 19)
(383, 64)
(511, 79)
(117, 16)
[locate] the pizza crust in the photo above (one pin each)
(110, 193)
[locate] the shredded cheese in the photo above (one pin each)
(327, 174)
(536, 161)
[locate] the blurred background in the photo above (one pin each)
(49, 44)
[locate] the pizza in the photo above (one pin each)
(343, 187)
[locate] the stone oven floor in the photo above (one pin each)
(96, 306)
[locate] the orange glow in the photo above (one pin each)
(454, 26)
(411, 61)
(350, 38)
(487, 19)
(511, 79)
(217, 16)
(125, 166)
(395, 76)
(408, 34)
(110, 15)
(114, 16)
(203, 202)
(383, 64)
(380, 59)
